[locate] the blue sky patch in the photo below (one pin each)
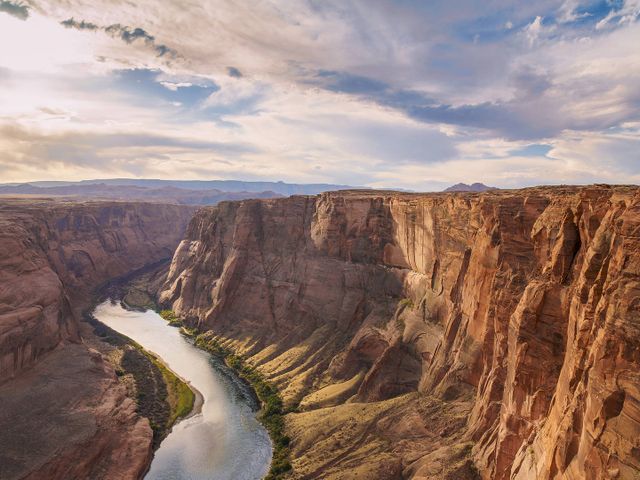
(532, 150)
(152, 85)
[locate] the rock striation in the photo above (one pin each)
(64, 414)
(517, 312)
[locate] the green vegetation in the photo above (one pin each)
(161, 396)
(171, 317)
(272, 413)
(188, 331)
(405, 303)
(179, 395)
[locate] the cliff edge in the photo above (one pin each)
(426, 336)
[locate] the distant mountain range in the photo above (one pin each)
(187, 192)
(474, 187)
(223, 185)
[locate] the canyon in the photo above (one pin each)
(64, 412)
(466, 335)
(470, 335)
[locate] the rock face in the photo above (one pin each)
(52, 255)
(522, 305)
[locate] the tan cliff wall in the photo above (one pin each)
(54, 254)
(65, 415)
(523, 304)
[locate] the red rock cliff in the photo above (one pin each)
(527, 299)
(64, 415)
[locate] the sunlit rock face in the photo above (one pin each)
(526, 300)
(64, 414)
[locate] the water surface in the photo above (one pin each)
(223, 442)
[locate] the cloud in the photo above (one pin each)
(148, 86)
(570, 12)
(18, 9)
(130, 35)
(81, 25)
(385, 93)
(173, 86)
(116, 152)
(534, 30)
(234, 72)
(623, 12)
(123, 32)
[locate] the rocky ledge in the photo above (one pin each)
(469, 335)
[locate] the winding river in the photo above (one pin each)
(224, 441)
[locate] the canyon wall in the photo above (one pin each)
(507, 322)
(64, 413)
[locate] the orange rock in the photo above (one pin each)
(64, 414)
(530, 297)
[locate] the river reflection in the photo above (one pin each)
(223, 442)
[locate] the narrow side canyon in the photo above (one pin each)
(64, 414)
(433, 336)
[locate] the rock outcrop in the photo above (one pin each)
(64, 414)
(520, 307)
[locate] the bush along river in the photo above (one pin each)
(222, 439)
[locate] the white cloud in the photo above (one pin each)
(627, 13)
(563, 87)
(174, 86)
(536, 30)
(567, 12)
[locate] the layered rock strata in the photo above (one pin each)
(516, 312)
(64, 414)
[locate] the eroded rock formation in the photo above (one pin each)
(64, 414)
(518, 308)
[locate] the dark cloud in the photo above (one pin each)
(234, 72)
(130, 35)
(18, 10)
(531, 114)
(81, 25)
(376, 90)
(123, 32)
(530, 83)
(162, 50)
(127, 34)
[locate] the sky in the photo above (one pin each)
(387, 94)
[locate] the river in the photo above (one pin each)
(224, 441)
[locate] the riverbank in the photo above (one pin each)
(137, 293)
(161, 396)
(199, 448)
(272, 412)
(272, 409)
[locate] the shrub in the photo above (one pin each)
(272, 412)
(171, 317)
(405, 303)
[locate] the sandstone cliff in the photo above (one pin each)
(64, 415)
(417, 332)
